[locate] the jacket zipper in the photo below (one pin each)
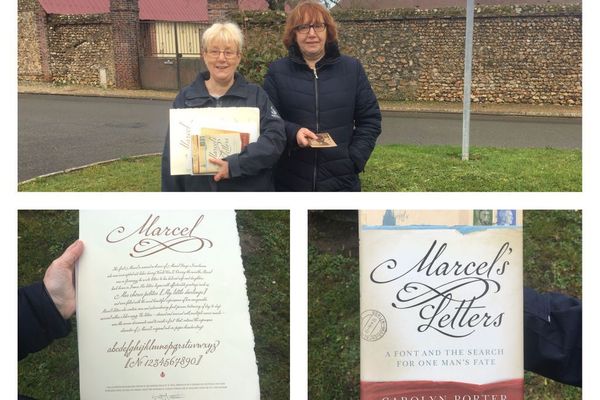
(215, 185)
(314, 185)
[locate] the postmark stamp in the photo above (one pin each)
(373, 325)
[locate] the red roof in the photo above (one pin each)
(153, 10)
(70, 7)
(173, 10)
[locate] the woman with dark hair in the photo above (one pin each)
(318, 90)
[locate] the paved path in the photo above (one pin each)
(61, 132)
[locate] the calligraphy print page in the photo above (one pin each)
(441, 304)
(162, 308)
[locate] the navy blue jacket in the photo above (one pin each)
(553, 336)
(250, 170)
(40, 322)
(335, 98)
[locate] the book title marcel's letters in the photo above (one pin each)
(441, 305)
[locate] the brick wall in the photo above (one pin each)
(126, 27)
(220, 9)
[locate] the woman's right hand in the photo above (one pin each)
(303, 135)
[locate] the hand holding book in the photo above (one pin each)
(223, 172)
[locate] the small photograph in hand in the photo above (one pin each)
(323, 140)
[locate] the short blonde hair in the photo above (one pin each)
(226, 32)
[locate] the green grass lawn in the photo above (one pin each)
(391, 168)
(264, 235)
(552, 262)
(138, 174)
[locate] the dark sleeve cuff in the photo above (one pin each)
(553, 329)
(233, 163)
(40, 322)
(291, 129)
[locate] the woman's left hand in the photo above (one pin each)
(223, 172)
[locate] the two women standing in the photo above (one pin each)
(315, 89)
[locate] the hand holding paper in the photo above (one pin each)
(303, 137)
(323, 140)
(59, 279)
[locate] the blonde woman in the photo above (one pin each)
(222, 86)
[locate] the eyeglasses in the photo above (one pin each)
(305, 28)
(215, 53)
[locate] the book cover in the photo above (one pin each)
(441, 300)
(162, 308)
(217, 144)
(189, 153)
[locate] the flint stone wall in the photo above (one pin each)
(521, 54)
(80, 46)
(32, 53)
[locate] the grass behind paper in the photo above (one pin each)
(53, 372)
(552, 262)
(391, 168)
(264, 235)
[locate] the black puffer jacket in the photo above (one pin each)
(250, 170)
(336, 98)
